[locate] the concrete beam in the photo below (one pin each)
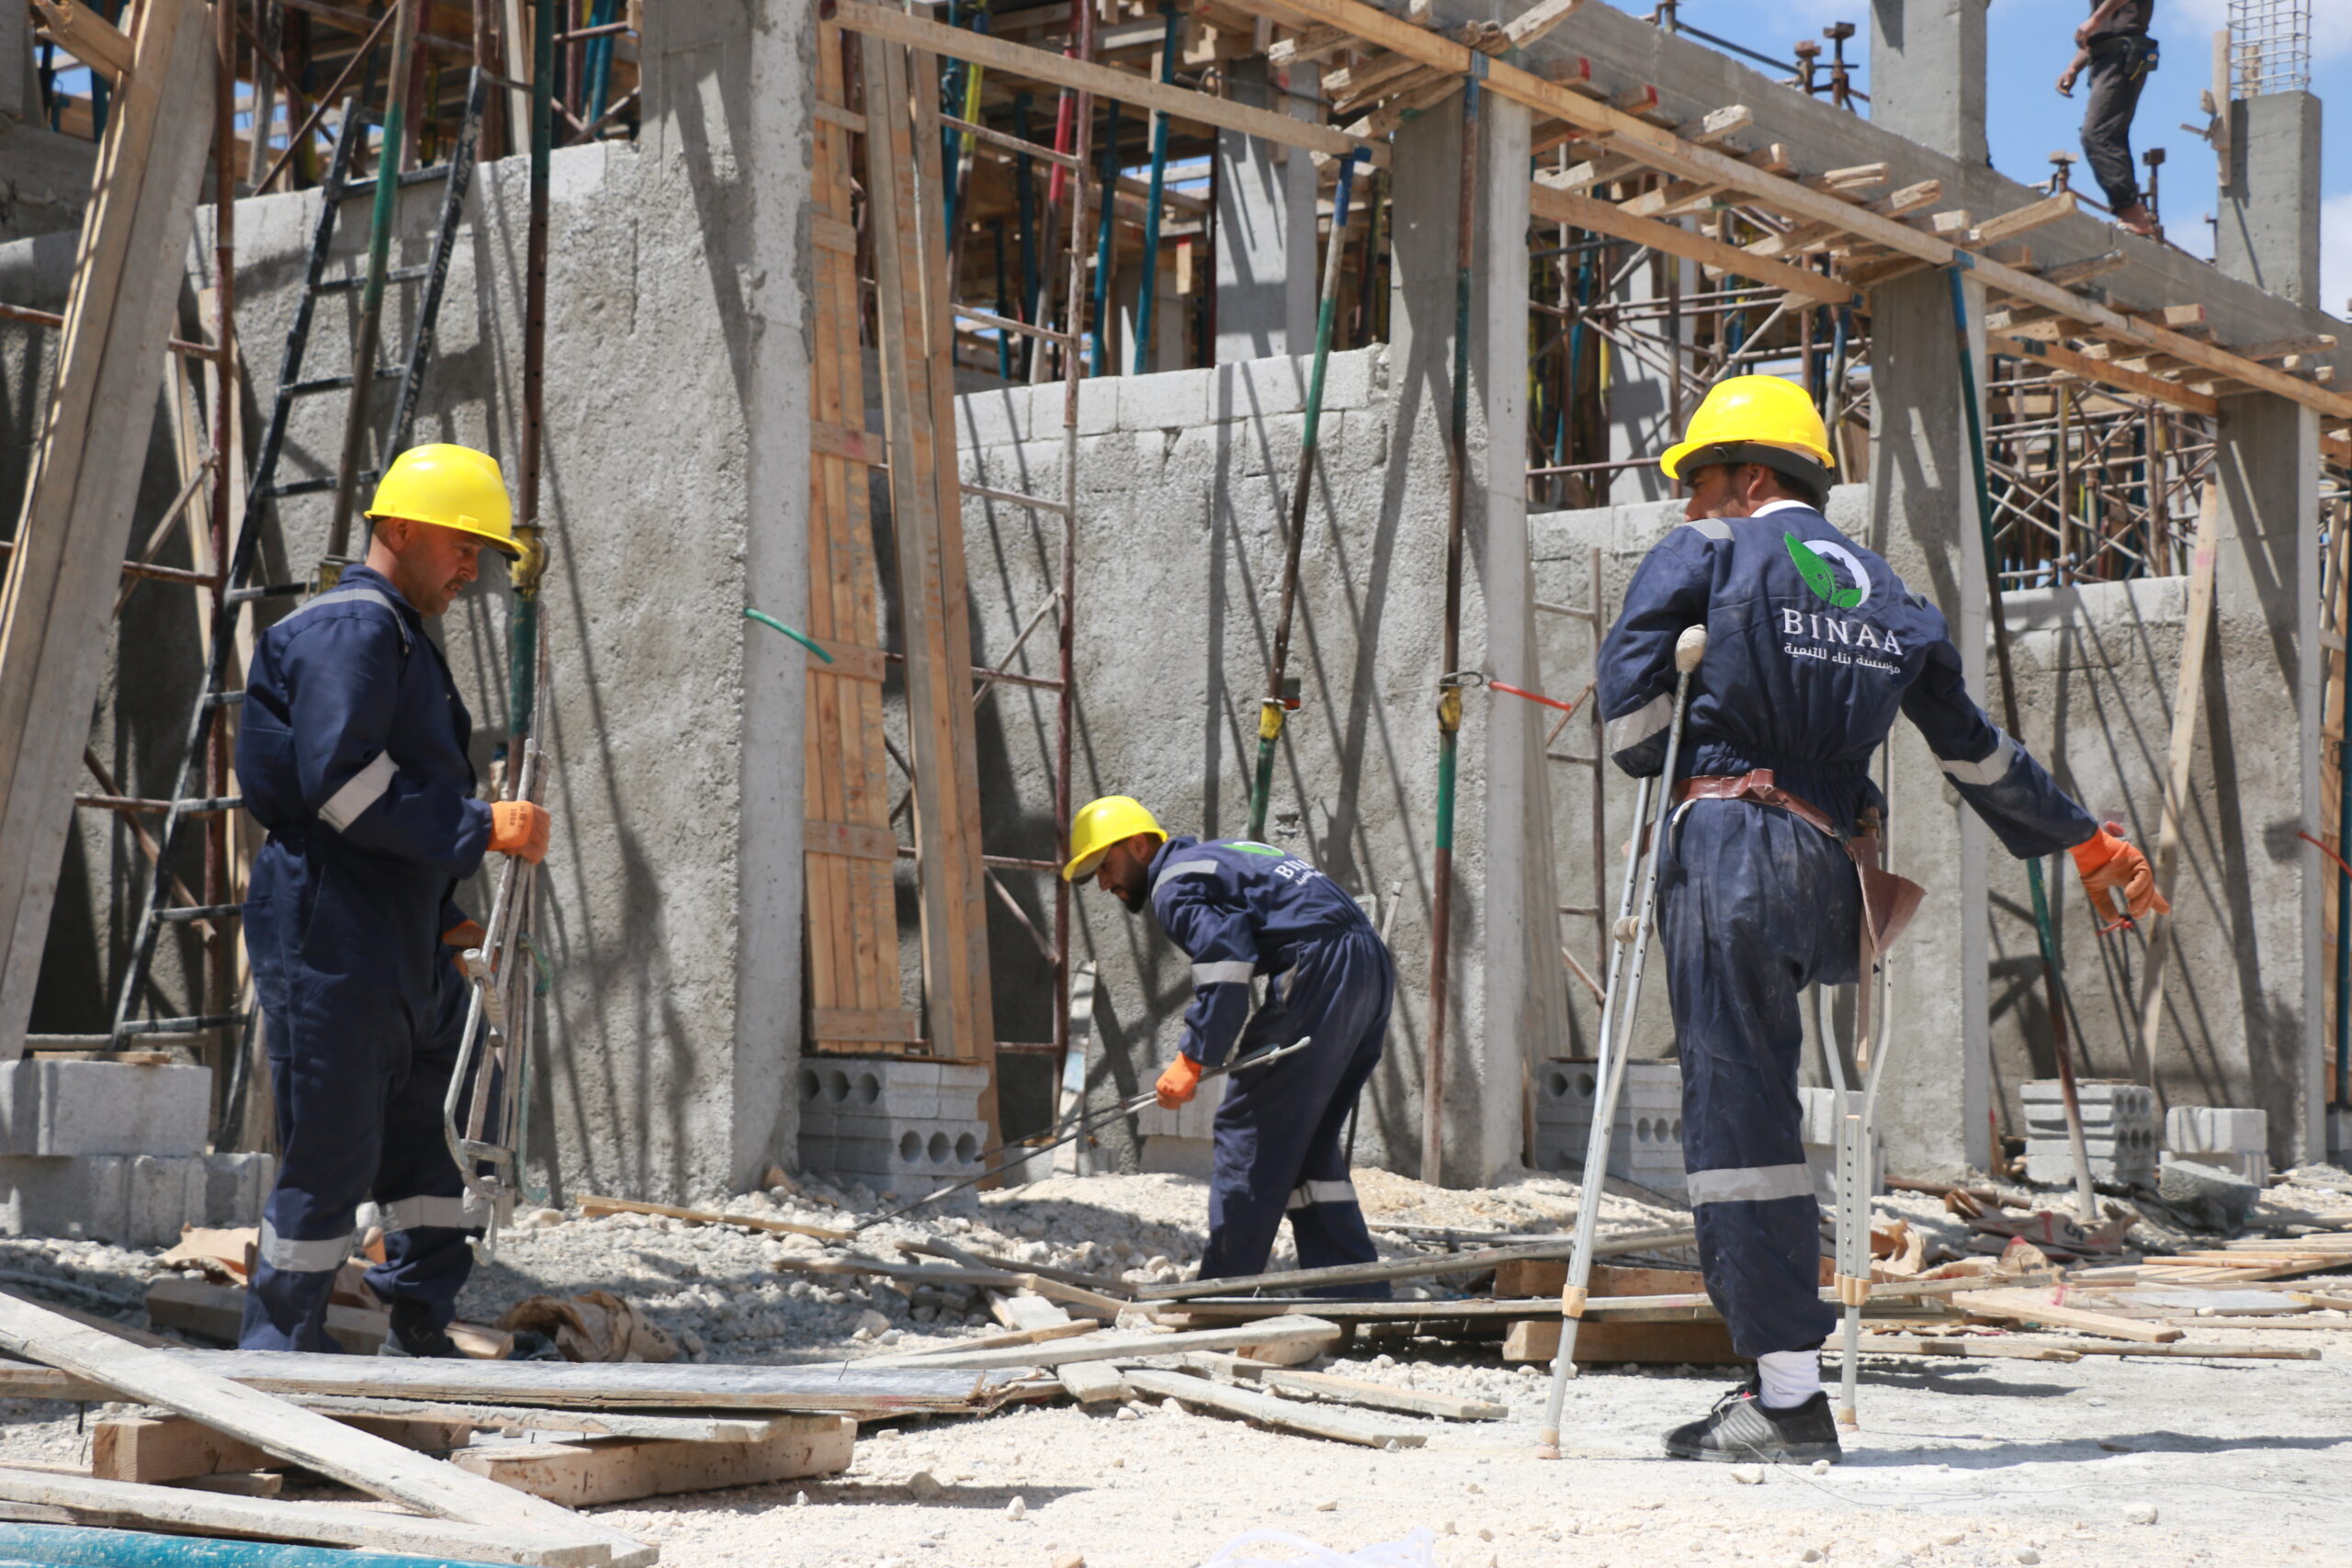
(2268, 232)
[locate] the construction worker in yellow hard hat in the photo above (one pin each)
(1242, 910)
(353, 751)
(1812, 647)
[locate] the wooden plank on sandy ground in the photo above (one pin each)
(154, 1450)
(315, 1442)
(1283, 1415)
(186, 1510)
(578, 1473)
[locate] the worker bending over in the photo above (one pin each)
(352, 751)
(1812, 647)
(2116, 48)
(1243, 911)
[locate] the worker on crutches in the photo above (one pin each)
(1767, 846)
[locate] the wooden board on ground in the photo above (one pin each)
(186, 1510)
(1140, 1346)
(1987, 1348)
(2029, 1306)
(584, 1422)
(1353, 1392)
(172, 1447)
(598, 1208)
(1091, 1382)
(1544, 1276)
(1645, 1344)
(937, 1355)
(175, 1382)
(218, 1312)
(1283, 1415)
(580, 1472)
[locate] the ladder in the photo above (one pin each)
(238, 591)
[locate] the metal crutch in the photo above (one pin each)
(1857, 1121)
(1629, 945)
(498, 1021)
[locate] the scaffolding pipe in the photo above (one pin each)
(1150, 287)
(1275, 705)
(1449, 700)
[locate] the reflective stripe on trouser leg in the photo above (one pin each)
(1754, 905)
(1278, 1130)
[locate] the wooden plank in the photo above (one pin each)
(851, 838)
(2197, 637)
(596, 1208)
(1091, 1382)
(932, 1355)
(182, 1383)
(1136, 1346)
(218, 1312)
(1282, 1415)
(1670, 154)
(1354, 1392)
(1404, 1267)
(585, 1423)
(2025, 219)
(87, 36)
(1546, 1277)
(155, 1449)
(829, 440)
(2060, 357)
(186, 1510)
(590, 1470)
(63, 575)
(1962, 1344)
(926, 517)
(1037, 65)
(1645, 1344)
(2027, 1306)
(873, 1025)
(1551, 204)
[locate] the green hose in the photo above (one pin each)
(767, 620)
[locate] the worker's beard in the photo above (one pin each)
(1134, 894)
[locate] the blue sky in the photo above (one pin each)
(2031, 42)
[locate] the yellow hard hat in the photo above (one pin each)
(1101, 824)
(1756, 419)
(449, 487)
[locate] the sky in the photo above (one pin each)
(2030, 41)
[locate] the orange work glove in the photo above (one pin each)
(461, 936)
(519, 828)
(2109, 865)
(1178, 1083)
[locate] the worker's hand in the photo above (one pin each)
(1178, 1083)
(519, 828)
(2067, 83)
(2083, 35)
(2109, 865)
(463, 935)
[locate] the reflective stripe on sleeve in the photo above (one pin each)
(303, 1257)
(1310, 1193)
(1651, 718)
(1713, 528)
(432, 1211)
(1750, 1184)
(359, 792)
(1225, 971)
(1184, 868)
(1991, 771)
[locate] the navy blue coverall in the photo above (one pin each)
(1814, 644)
(1241, 910)
(351, 751)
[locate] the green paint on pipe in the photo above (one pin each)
(767, 620)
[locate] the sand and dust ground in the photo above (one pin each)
(2107, 1462)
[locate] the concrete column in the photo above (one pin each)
(2268, 232)
(2262, 709)
(1923, 520)
(1265, 230)
(1508, 994)
(1643, 419)
(1928, 73)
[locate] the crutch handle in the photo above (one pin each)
(1689, 647)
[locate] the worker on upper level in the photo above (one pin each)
(1814, 644)
(1245, 911)
(2115, 47)
(352, 751)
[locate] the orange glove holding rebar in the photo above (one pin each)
(2109, 865)
(519, 828)
(461, 936)
(1178, 1083)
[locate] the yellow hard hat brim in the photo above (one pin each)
(1084, 865)
(511, 548)
(1671, 463)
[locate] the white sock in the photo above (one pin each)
(1789, 1377)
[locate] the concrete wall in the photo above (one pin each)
(676, 492)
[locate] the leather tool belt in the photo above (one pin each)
(1888, 901)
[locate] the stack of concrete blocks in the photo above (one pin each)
(2119, 1132)
(893, 1123)
(114, 1152)
(1180, 1142)
(2235, 1139)
(1645, 1147)
(1820, 1108)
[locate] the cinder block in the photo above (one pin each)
(2216, 1128)
(1172, 400)
(2119, 1129)
(1098, 409)
(1645, 1145)
(49, 1107)
(897, 1087)
(131, 1200)
(2050, 1162)
(1348, 379)
(1256, 387)
(998, 417)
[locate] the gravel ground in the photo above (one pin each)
(2107, 1462)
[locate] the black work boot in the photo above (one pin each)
(1741, 1429)
(415, 1334)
